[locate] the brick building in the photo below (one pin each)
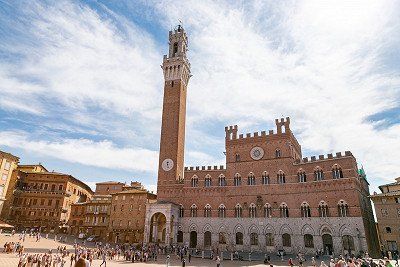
(387, 209)
(8, 163)
(128, 210)
(41, 199)
(268, 197)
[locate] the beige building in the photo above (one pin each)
(387, 209)
(8, 163)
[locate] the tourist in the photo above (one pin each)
(218, 261)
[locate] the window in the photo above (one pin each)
(253, 239)
(301, 175)
(318, 174)
(384, 212)
(305, 210)
(221, 238)
(181, 211)
(237, 157)
(397, 200)
(308, 241)
(265, 178)
(129, 223)
(123, 197)
(180, 237)
(60, 187)
(207, 211)
(207, 181)
(53, 187)
(237, 180)
(252, 211)
(195, 181)
(221, 180)
(221, 211)
(122, 207)
(7, 166)
(239, 238)
(50, 201)
(267, 211)
(251, 179)
(281, 177)
(42, 201)
(286, 240)
(398, 212)
(284, 211)
(269, 240)
(388, 230)
(343, 208)
(348, 242)
(323, 209)
(193, 211)
(4, 177)
(238, 211)
(277, 153)
(337, 172)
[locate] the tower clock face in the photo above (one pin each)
(257, 153)
(167, 164)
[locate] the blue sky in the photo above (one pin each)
(82, 88)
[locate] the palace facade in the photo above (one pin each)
(268, 197)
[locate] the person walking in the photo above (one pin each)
(190, 257)
(218, 261)
(104, 258)
(167, 260)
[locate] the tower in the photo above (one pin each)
(176, 68)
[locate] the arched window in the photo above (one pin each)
(195, 181)
(237, 157)
(221, 180)
(253, 239)
(207, 181)
(348, 242)
(239, 238)
(267, 211)
(337, 172)
(237, 180)
(284, 211)
(343, 208)
(286, 240)
(308, 241)
(222, 238)
(301, 175)
(269, 240)
(305, 210)
(252, 211)
(277, 153)
(207, 211)
(323, 209)
(281, 177)
(221, 211)
(181, 211)
(238, 211)
(265, 178)
(251, 179)
(193, 211)
(180, 237)
(388, 230)
(318, 174)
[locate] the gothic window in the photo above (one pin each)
(267, 211)
(175, 49)
(252, 211)
(323, 209)
(237, 157)
(388, 230)
(180, 237)
(253, 239)
(301, 174)
(308, 241)
(251, 179)
(238, 211)
(281, 177)
(195, 181)
(207, 181)
(222, 238)
(318, 174)
(286, 240)
(221, 180)
(305, 210)
(348, 242)
(337, 172)
(265, 178)
(207, 211)
(269, 240)
(193, 211)
(343, 208)
(181, 211)
(277, 153)
(284, 211)
(237, 180)
(239, 238)
(221, 211)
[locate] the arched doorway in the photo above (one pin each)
(207, 239)
(158, 228)
(193, 239)
(327, 243)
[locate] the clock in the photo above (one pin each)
(256, 153)
(167, 164)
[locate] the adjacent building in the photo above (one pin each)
(268, 197)
(8, 163)
(387, 209)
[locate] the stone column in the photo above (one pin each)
(155, 233)
(167, 232)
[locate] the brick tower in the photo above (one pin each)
(176, 68)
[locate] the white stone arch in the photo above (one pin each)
(221, 206)
(207, 227)
(253, 229)
(223, 228)
(221, 175)
(238, 228)
(307, 229)
(325, 229)
(285, 229)
(193, 227)
(269, 229)
(345, 230)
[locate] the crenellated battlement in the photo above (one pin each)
(323, 157)
(204, 168)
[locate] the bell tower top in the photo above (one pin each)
(178, 42)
